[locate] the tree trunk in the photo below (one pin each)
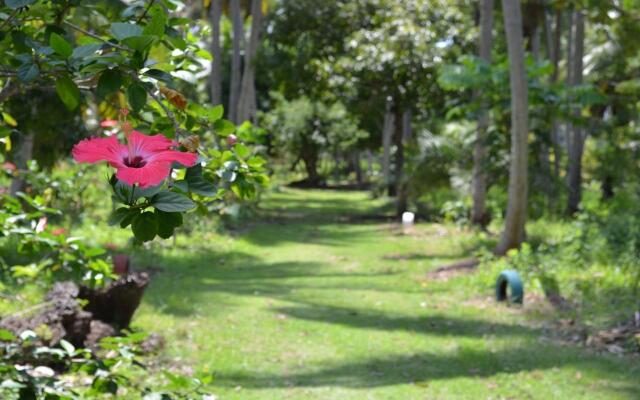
(577, 135)
(236, 60)
(479, 215)
(607, 187)
(309, 156)
(554, 50)
(543, 178)
(215, 80)
(246, 102)
(387, 133)
(514, 230)
(24, 153)
(400, 184)
(406, 125)
(357, 168)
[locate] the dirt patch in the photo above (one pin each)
(623, 338)
(449, 271)
(405, 256)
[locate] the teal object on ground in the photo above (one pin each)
(511, 279)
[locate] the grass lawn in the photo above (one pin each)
(305, 304)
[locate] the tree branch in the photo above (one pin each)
(167, 111)
(93, 35)
(146, 11)
(6, 21)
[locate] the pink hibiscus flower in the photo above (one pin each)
(144, 160)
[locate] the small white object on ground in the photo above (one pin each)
(408, 218)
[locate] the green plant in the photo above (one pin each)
(116, 369)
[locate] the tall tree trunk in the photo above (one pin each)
(554, 50)
(514, 230)
(577, 135)
(246, 102)
(387, 133)
(215, 80)
(236, 60)
(406, 125)
(22, 155)
(543, 178)
(479, 215)
(400, 184)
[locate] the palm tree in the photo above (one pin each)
(247, 100)
(215, 13)
(514, 230)
(479, 211)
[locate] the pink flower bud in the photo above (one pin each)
(109, 123)
(232, 139)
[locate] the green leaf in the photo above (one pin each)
(223, 127)
(256, 162)
(173, 219)
(181, 185)
(8, 118)
(60, 45)
(122, 191)
(140, 43)
(6, 336)
(172, 202)
(145, 226)
(197, 183)
(68, 92)
(109, 82)
(121, 30)
(128, 219)
(28, 72)
(155, 27)
(215, 113)
(137, 96)
(86, 50)
(118, 215)
(202, 53)
(242, 151)
(18, 3)
(147, 192)
(159, 75)
(167, 222)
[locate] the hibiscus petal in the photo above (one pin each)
(144, 145)
(151, 174)
(181, 157)
(99, 149)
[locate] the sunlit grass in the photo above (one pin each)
(307, 305)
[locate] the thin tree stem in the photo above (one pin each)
(93, 35)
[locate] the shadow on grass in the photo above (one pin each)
(294, 207)
(425, 367)
(322, 232)
(429, 325)
(184, 284)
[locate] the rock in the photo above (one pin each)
(107, 312)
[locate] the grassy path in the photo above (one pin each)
(307, 306)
